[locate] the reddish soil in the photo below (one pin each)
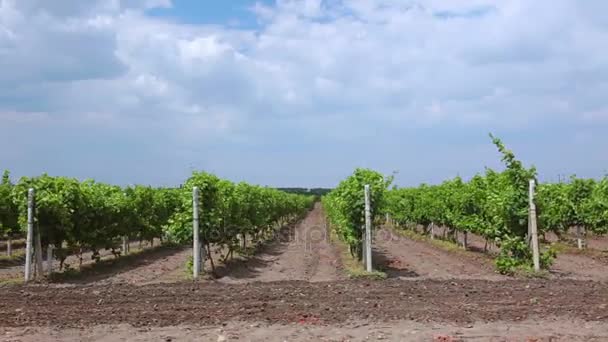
(571, 263)
(301, 252)
(456, 301)
(407, 258)
(154, 265)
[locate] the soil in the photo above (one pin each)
(301, 252)
(551, 329)
(14, 268)
(407, 258)
(596, 242)
(286, 302)
(570, 263)
(295, 289)
(151, 266)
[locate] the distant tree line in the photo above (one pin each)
(307, 191)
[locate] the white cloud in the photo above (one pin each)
(390, 57)
(310, 64)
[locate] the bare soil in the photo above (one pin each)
(537, 330)
(14, 268)
(286, 302)
(589, 264)
(300, 252)
(162, 264)
(407, 258)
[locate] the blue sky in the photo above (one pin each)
(300, 92)
(234, 13)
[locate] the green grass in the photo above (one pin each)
(353, 268)
(528, 272)
(563, 247)
(447, 245)
(15, 256)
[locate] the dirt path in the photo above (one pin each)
(301, 252)
(407, 258)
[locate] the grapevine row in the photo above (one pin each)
(495, 206)
(75, 216)
(345, 206)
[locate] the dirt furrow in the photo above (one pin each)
(407, 258)
(303, 253)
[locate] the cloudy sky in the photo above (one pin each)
(298, 93)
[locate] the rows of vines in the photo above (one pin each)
(495, 206)
(345, 206)
(232, 214)
(579, 203)
(77, 216)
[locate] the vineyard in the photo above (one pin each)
(83, 216)
(495, 206)
(294, 258)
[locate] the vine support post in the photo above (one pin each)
(368, 230)
(465, 239)
(432, 231)
(9, 246)
(196, 248)
(533, 228)
(579, 239)
(30, 235)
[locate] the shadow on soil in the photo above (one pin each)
(392, 267)
(248, 267)
(108, 268)
(7, 262)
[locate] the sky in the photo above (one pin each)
(299, 93)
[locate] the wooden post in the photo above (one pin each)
(196, 247)
(49, 260)
(30, 235)
(533, 228)
(368, 230)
